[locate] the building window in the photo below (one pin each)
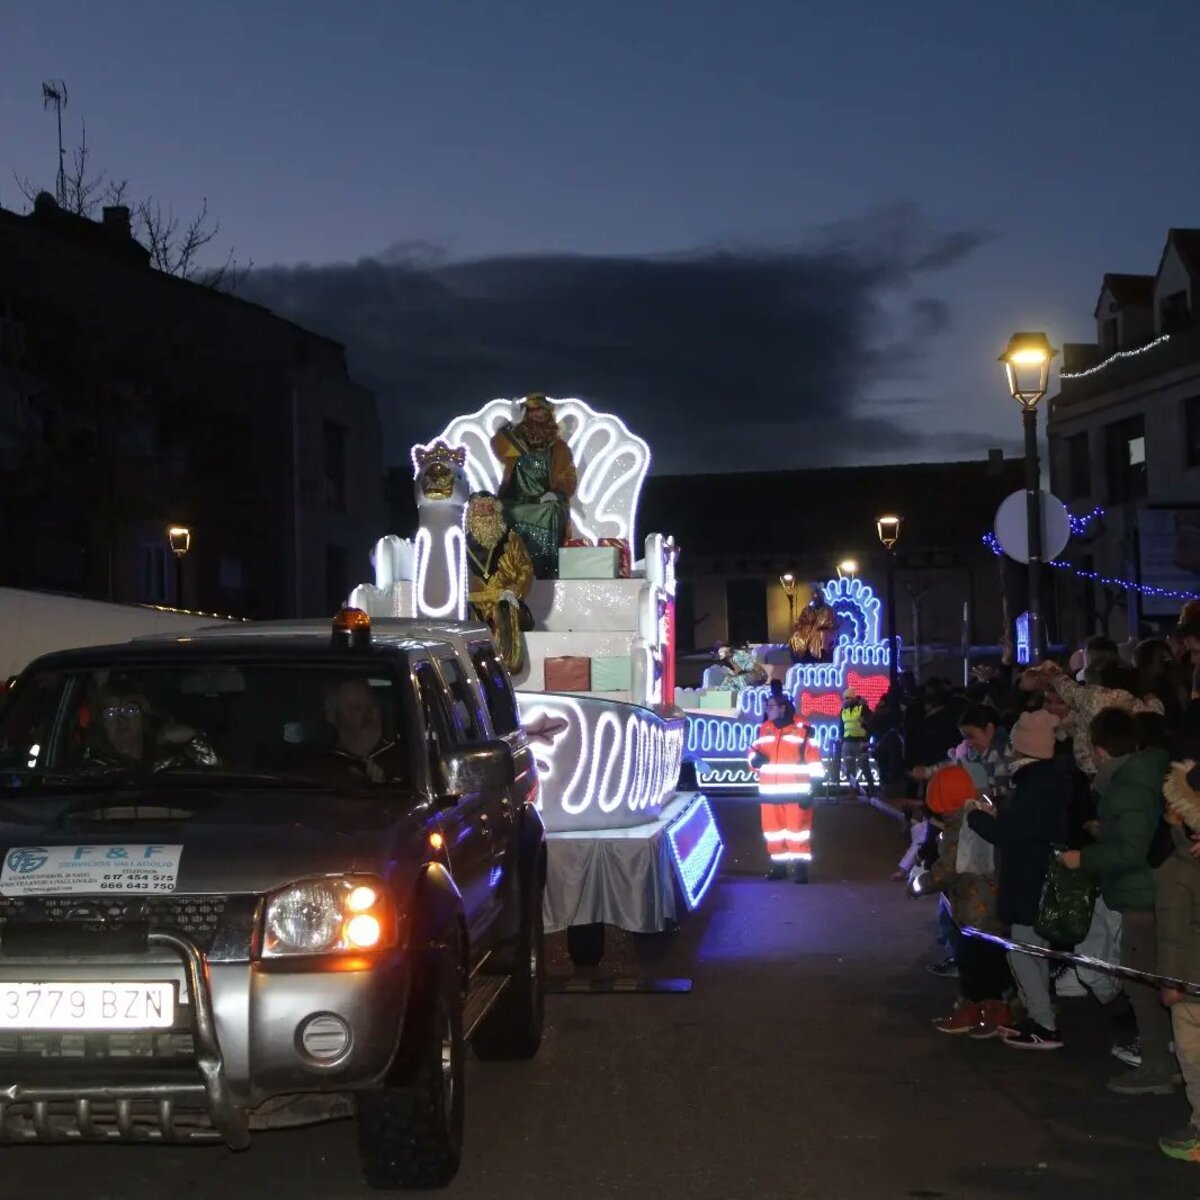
(1191, 431)
(746, 600)
(156, 574)
(1173, 312)
(333, 459)
(1125, 455)
(337, 578)
(1079, 466)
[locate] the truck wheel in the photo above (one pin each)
(585, 944)
(410, 1133)
(513, 1029)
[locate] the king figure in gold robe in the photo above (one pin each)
(500, 574)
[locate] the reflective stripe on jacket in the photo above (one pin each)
(793, 762)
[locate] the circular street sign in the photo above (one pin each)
(1012, 527)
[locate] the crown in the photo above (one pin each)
(438, 452)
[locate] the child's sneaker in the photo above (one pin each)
(1184, 1145)
(1130, 1053)
(1142, 1081)
(946, 969)
(995, 1019)
(965, 1018)
(1029, 1035)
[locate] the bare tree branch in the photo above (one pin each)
(174, 250)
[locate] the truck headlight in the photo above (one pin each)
(329, 916)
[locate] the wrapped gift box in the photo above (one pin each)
(568, 674)
(612, 674)
(723, 701)
(623, 557)
(588, 562)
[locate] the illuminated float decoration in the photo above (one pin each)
(718, 743)
(609, 753)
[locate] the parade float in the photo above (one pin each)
(836, 637)
(528, 521)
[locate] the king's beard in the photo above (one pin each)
(485, 529)
(539, 434)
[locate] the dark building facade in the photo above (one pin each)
(131, 400)
(1124, 431)
(740, 533)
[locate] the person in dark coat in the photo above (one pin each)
(1026, 834)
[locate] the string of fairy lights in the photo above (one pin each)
(1079, 527)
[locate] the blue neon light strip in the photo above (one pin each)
(696, 850)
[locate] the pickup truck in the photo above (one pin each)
(260, 881)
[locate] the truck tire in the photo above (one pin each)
(585, 944)
(410, 1131)
(513, 1029)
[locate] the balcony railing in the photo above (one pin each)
(1179, 350)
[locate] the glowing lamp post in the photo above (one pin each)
(847, 568)
(1026, 362)
(180, 537)
(787, 581)
(888, 529)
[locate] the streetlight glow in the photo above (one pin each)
(888, 528)
(1026, 361)
(848, 566)
(180, 537)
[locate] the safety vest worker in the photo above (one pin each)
(854, 717)
(786, 762)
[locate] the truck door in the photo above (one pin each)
(497, 809)
(465, 825)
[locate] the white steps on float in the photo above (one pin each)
(585, 605)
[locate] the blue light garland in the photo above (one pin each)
(1079, 526)
(696, 849)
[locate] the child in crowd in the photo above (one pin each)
(981, 1011)
(1026, 832)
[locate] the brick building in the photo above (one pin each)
(131, 399)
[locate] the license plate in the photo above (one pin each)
(87, 1005)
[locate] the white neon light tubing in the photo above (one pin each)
(454, 552)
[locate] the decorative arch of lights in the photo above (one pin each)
(718, 745)
(611, 462)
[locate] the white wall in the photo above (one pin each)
(36, 623)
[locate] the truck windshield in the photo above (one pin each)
(264, 724)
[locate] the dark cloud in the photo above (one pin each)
(718, 357)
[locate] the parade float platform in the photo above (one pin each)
(624, 849)
(721, 724)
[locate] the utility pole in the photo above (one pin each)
(55, 92)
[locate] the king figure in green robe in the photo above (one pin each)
(538, 483)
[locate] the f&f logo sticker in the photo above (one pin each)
(27, 859)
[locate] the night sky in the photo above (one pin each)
(767, 234)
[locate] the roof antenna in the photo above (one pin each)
(55, 92)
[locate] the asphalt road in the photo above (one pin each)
(801, 1065)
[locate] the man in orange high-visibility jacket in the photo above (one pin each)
(786, 762)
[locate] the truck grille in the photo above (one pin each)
(196, 916)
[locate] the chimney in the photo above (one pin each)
(995, 461)
(116, 221)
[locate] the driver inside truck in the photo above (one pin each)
(353, 711)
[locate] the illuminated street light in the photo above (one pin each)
(847, 568)
(787, 581)
(180, 537)
(1026, 362)
(888, 529)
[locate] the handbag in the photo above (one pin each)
(975, 856)
(1065, 911)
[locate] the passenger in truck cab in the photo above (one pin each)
(353, 711)
(120, 729)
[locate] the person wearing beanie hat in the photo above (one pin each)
(1027, 832)
(981, 1011)
(1033, 735)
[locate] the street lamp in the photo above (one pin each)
(1026, 362)
(180, 537)
(847, 568)
(787, 581)
(888, 529)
